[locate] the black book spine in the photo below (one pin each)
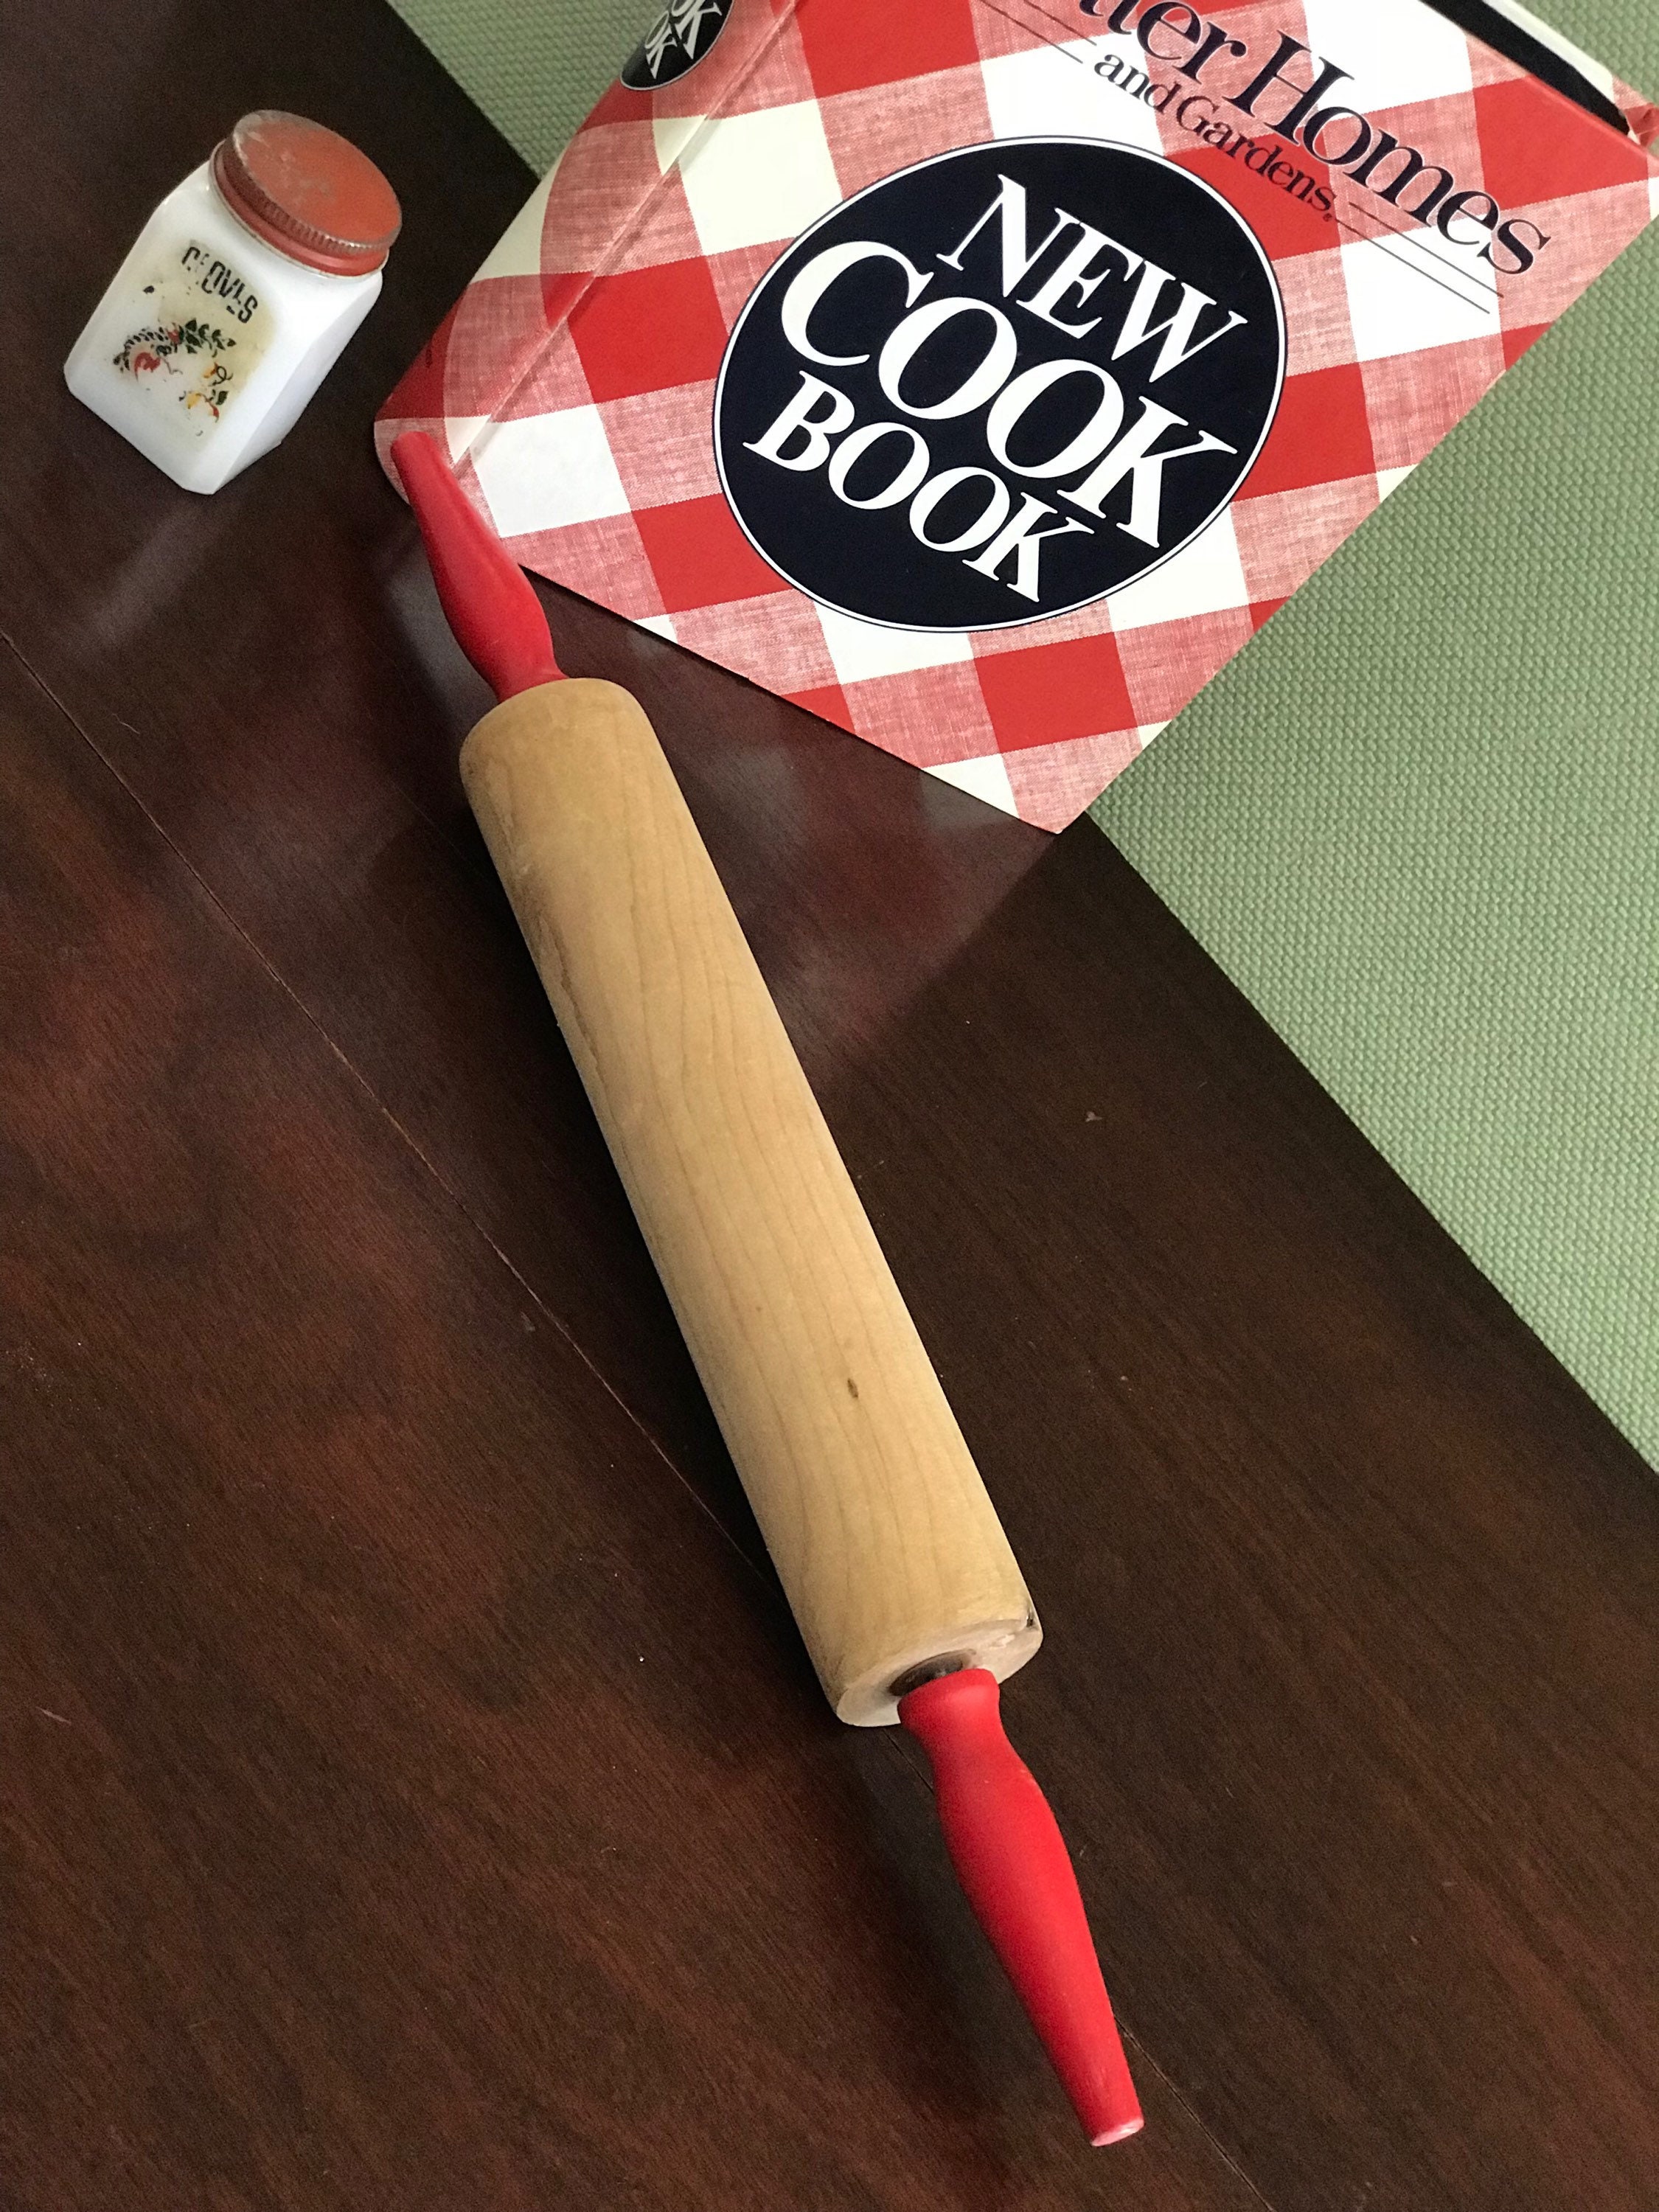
(1505, 37)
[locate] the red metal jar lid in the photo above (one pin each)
(307, 191)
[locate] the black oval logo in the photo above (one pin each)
(676, 42)
(1000, 385)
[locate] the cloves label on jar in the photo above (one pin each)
(199, 329)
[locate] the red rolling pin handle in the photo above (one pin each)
(486, 596)
(1012, 1861)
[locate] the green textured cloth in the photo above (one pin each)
(534, 66)
(1415, 820)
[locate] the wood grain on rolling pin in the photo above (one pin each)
(887, 1543)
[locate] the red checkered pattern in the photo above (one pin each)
(574, 381)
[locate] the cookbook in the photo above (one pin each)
(981, 374)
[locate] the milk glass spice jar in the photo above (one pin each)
(238, 298)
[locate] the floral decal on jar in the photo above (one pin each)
(143, 353)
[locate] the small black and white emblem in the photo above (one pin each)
(676, 42)
(999, 385)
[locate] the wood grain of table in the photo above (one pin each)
(413, 1791)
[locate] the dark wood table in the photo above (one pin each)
(415, 1794)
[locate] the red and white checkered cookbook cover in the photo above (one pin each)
(982, 373)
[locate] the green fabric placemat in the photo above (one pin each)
(1415, 821)
(534, 66)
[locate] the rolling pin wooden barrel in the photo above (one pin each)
(906, 1592)
(882, 1533)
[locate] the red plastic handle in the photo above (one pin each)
(1011, 1860)
(496, 617)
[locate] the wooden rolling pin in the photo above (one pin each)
(888, 1548)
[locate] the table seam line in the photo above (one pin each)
(561, 1328)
